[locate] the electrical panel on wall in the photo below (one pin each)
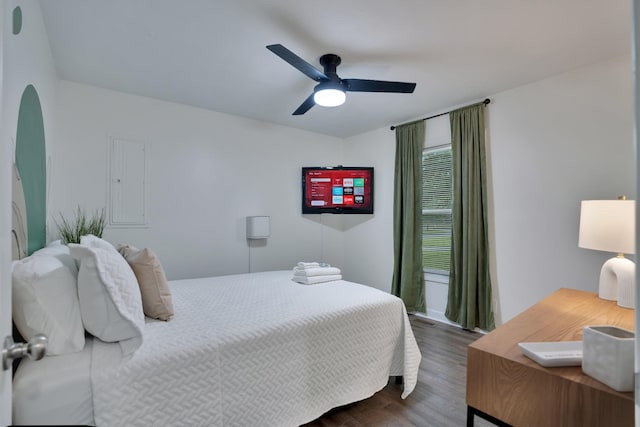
(128, 170)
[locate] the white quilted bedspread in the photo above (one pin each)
(256, 350)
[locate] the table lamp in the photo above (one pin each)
(609, 225)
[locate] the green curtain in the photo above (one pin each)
(408, 278)
(470, 301)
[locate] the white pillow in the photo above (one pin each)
(96, 242)
(60, 251)
(45, 299)
(110, 302)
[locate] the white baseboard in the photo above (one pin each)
(438, 316)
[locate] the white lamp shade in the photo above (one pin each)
(608, 225)
(258, 227)
(329, 97)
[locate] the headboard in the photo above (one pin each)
(18, 217)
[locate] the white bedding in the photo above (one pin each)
(54, 390)
(255, 349)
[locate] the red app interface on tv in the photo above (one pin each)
(338, 188)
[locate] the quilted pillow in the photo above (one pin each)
(110, 303)
(45, 299)
(96, 242)
(154, 288)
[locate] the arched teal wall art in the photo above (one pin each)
(31, 164)
(17, 20)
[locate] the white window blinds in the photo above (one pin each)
(437, 197)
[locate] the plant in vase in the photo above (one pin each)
(80, 225)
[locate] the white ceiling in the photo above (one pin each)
(211, 53)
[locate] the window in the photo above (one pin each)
(437, 201)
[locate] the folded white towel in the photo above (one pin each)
(316, 279)
(316, 271)
(308, 264)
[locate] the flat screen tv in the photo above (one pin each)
(337, 190)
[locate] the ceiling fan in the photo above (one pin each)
(331, 89)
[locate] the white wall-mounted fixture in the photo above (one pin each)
(609, 225)
(258, 227)
(128, 165)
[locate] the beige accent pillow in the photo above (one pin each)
(156, 296)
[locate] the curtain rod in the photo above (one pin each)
(485, 102)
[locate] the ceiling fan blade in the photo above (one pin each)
(299, 63)
(359, 85)
(305, 106)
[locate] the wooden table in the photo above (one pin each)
(512, 389)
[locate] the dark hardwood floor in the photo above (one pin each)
(439, 397)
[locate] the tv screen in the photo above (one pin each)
(338, 190)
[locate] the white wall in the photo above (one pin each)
(208, 171)
(368, 239)
(551, 144)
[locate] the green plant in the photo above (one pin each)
(80, 225)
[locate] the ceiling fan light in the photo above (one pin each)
(329, 97)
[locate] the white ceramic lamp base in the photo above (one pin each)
(617, 281)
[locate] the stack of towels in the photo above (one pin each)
(310, 273)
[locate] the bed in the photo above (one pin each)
(241, 350)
